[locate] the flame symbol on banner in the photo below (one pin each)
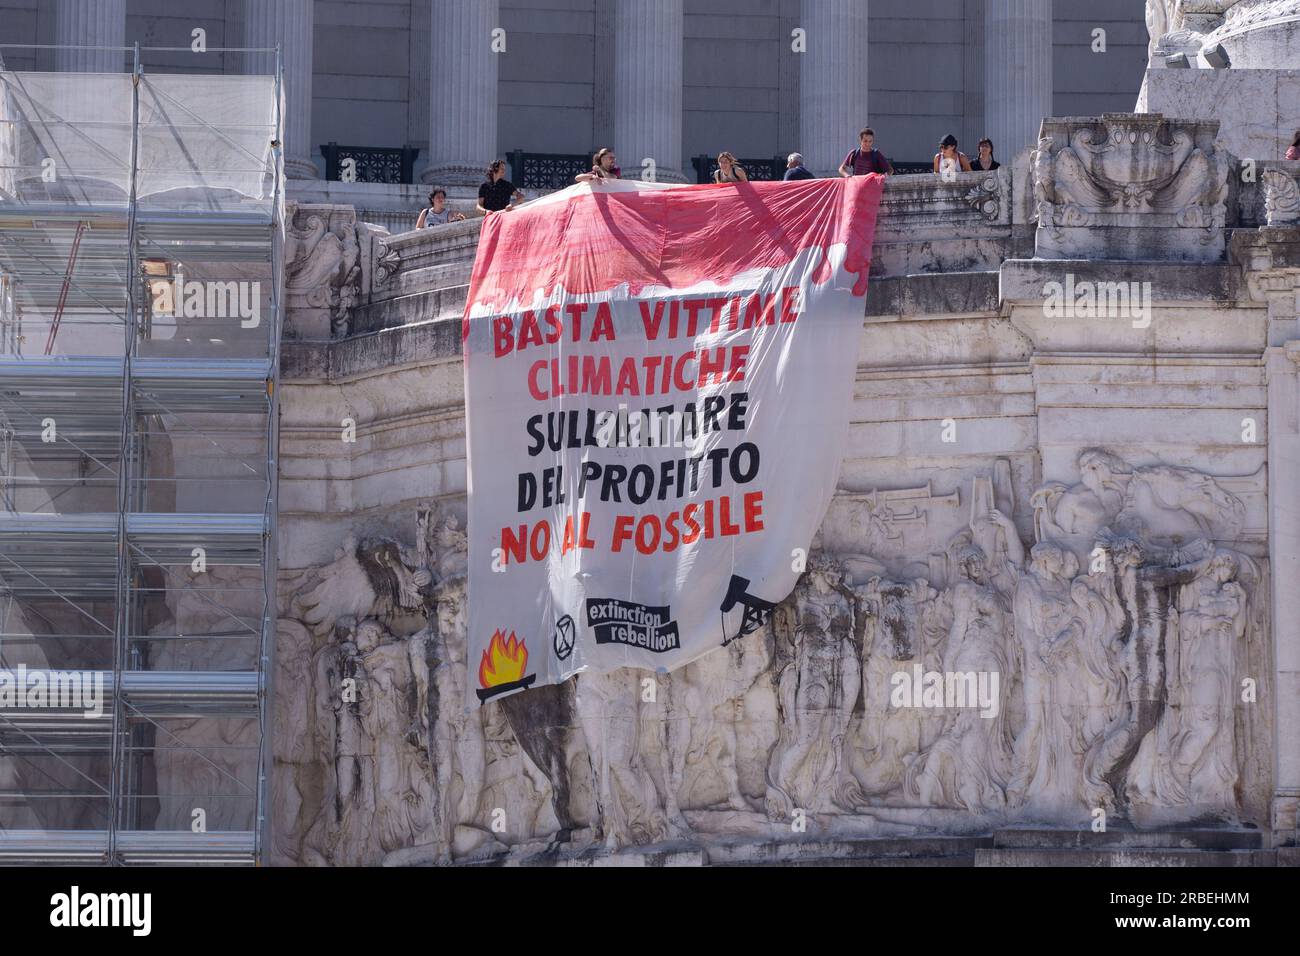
(504, 661)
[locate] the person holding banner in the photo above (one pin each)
(602, 167)
(498, 194)
(866, 158)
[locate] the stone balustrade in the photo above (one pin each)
(1173, 196)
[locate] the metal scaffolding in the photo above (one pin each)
(141, 251)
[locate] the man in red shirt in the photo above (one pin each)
(866, 158)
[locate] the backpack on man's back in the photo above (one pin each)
(876, 158)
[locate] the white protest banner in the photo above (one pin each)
(658, 381)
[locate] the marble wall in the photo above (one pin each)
(1069, 496)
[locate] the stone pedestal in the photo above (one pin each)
(462, 91)
(287, 23)
(89, 23)
(648, 89)
(832, 82)
(1017, 72)
(1263, 131)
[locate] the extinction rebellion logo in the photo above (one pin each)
(636, 625)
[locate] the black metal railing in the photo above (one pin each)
(556, 170)
(369, 164)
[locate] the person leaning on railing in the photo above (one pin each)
(795, 169)
(866, 158)
(498, 194)
(438, 212)
(984, 162)
(950, 160)
(729, 171)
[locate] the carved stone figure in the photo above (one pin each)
(1050, 627)
(817, 682)
(379, 787)
(1163, 16)
(627, 801)
(545, 723)
(1256, 34)
(1164, 503)
(704, 702)
(1194, 755)
(903, 624)
(365, 579)
(969, 765)
(1145, 583)
(322, 270)
(1116, 688)
(1212, 624)
(458, 745)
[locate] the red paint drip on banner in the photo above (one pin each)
(675, 238)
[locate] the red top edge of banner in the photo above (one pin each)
(596, 241)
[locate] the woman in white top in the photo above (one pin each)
(950, 160)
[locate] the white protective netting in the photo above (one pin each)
(205, 142)
(66, 138)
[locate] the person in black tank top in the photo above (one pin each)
(984, 162)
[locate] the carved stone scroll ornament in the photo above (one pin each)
(1281, 198)
(986, 198)
(387, 262)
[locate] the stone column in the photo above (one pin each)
(90, 23)
(287, 23)
(462, 91)
(648, 88)
(1017, 73)
(833, 82)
